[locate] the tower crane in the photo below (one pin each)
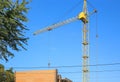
(83, 16)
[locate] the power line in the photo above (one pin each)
(93, 71)
(72, 66)
(72, 72)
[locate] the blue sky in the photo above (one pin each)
(62, 46)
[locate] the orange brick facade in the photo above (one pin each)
(38, 76)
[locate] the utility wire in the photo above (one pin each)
(73, 66)
(93, 71)
(73, 72)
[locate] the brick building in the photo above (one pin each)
(39, 76)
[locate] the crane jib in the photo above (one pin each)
(53, 26)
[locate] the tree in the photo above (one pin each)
(2, 78)
(12, 28)
(9, 75)
(6, 75)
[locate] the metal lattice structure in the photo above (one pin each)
(83, 16)
(85, 57)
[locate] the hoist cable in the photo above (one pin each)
(90, 5)
(96, 51)
(69, 11)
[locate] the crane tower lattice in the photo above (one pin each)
(83, 16)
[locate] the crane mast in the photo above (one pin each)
(85, 44)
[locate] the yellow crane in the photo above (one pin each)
(83, 16)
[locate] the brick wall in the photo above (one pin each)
(36, 76)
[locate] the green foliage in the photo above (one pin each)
(9, 76)
(6, 75)
(12, 18)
